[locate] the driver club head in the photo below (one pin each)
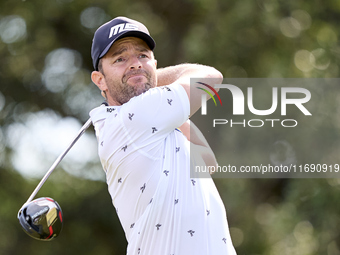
(41, 219)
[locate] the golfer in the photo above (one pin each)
(144, 143)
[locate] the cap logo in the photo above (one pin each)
(121, 28)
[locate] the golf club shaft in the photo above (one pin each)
(43, 180)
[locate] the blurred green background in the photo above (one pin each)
(46, 94)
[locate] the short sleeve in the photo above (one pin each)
(156, 112)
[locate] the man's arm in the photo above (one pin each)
(182, 73)
(199, 143)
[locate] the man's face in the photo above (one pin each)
(128, 70)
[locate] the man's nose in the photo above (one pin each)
(135, 63)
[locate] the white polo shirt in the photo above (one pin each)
(147, 164)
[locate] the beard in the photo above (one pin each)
(122, 91)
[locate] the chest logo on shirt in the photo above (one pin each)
(154, 130)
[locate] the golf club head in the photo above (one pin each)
(41, 219)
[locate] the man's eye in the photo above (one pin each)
(119, 60)
(143, 56)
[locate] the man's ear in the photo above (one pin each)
(98, 79)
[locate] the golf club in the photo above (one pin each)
(42, 218)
